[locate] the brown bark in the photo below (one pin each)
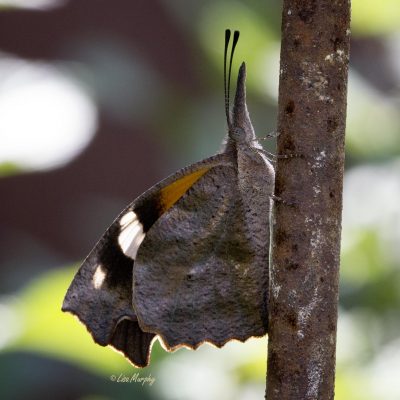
(307, 223)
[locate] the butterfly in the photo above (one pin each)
(187, 261)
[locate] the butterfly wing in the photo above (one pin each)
(101, 297)
(199, 274)
(101, 293)
(135, 344)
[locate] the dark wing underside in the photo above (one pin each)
(198, 275)
(132, 342)
(101, 293)
(101, 297)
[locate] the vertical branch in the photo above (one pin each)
(307, 223)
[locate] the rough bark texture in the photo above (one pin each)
(307, 223)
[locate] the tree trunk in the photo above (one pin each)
(307, 222)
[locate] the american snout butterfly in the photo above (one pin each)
(187, 261)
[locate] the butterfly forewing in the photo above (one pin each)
(101, 297)
(101, 293)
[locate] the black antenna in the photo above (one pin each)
(226, 97)
(227, 85)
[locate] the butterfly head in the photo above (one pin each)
(240, 129)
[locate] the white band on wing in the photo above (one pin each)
(131, 235)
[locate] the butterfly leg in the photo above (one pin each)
(275, 157)
(274, 134)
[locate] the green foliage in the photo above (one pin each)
(370, 17)
(9, 168)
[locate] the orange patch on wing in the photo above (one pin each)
(170, 194)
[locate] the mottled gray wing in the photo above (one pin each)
(101, 293)
(101, 297)
(200, 273)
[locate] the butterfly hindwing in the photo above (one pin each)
(199, 276)
(132, 342)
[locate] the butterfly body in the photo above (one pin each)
(187, 261)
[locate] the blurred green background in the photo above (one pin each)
(98, 101)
